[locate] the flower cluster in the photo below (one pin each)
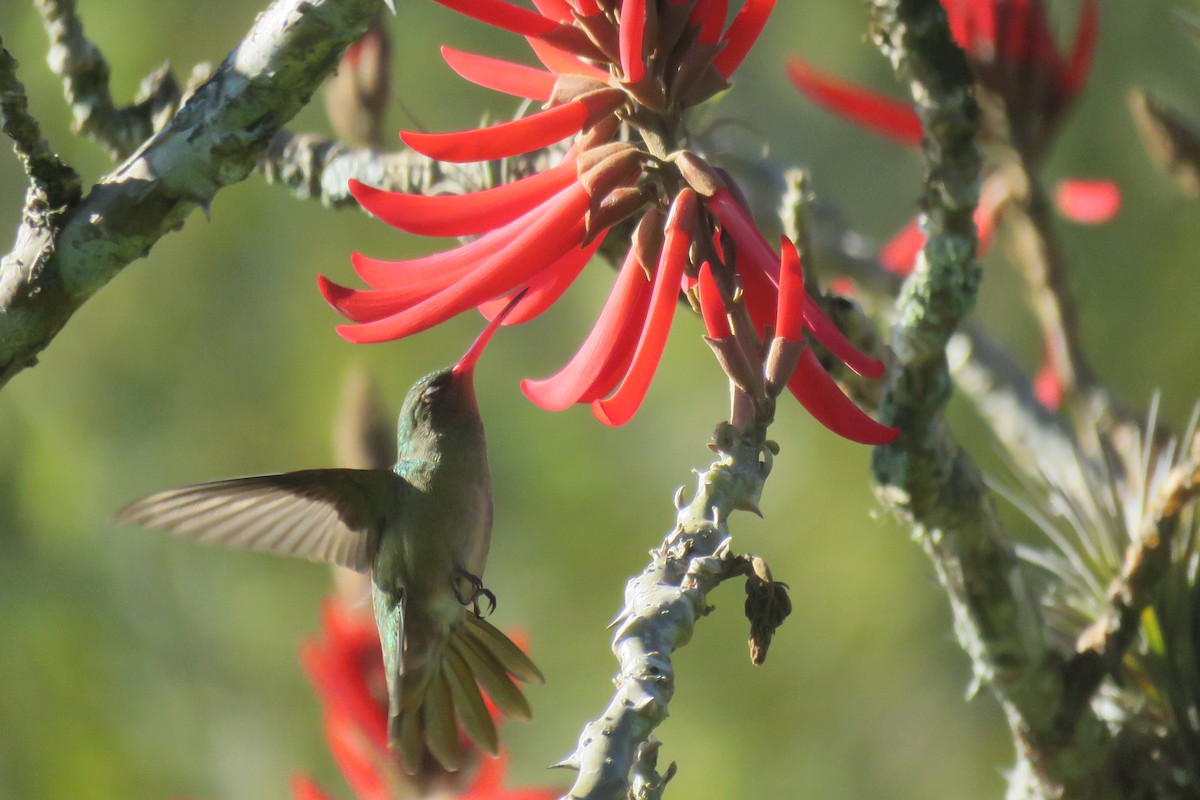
(617, 77)
(1026, 87)
(345, 665)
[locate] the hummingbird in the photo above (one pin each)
(422, 530)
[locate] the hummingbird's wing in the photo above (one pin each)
(329, 515)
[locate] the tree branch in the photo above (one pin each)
(83, 70)
(318, 168)
(924, 475)
(213, 141)
(51, 179)
(661, 608)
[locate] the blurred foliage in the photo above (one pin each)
(136, 666)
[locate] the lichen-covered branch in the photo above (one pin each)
(214, 140)
(83, 70)
(318, 168)
(661, 608)
(924, 475)
(51, 179)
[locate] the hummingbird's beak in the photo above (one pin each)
(466, 365)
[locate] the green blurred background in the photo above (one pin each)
(136, 666)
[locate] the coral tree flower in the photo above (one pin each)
(345, 665)
(1026, 87)
(1026, 84)
(616, 78)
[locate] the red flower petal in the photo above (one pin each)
(619, 408)
(875, 112)
(789, 318)
(712, 308)
(546, 287)
(605, 355)
(754, 254)
(555, 231)
(631, 29)
(304, 788)
(822, 398)
(1088, 202)
(434, 269)
(1047, 388)
(983, 42)
(742, 34)
(501, 76)
(557, 10)
(710, 16)
(899, 254)
(504, 140)
(1080, 63)
(563, 63)
(360, 764)
(504, 16)
(464, 214)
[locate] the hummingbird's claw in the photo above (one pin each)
(491, 598)
(470, 596)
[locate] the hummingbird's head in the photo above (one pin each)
(442, 404)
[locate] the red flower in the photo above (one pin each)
(345, 666)
(1011, 46)
(607, 66)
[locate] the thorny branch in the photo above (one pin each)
(661, 608)
(214, 140)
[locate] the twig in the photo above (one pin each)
(1038, 253)
(924, 475)
(213, 141)
(83, 70)
(661, 608)
(52, 180)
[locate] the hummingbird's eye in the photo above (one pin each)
(434, 388)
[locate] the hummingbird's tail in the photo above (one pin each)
(478, 659)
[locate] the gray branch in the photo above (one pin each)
(53, 184)
(661, 608)
(83, 70)
(214, 140)
(314, 167)
(924, 475)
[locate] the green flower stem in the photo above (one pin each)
(661, 608)
(925, 476)
(213, 141)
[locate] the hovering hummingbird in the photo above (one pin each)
(422, 530)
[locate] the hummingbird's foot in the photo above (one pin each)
(469, 595)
